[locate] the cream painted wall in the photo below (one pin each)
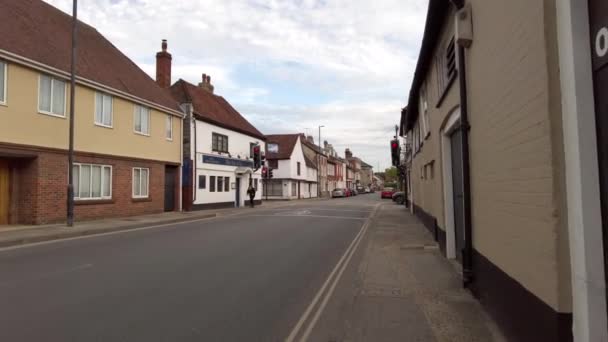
(22, 124)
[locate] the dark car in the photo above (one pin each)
(399, 197)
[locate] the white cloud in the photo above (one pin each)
(359, 53)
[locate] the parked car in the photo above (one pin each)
(399, 197)
(355, 192)
(338, 192)
(360, 190)
(387, 193)
(368, 190)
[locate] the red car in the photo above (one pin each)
(347, 192)
(387, 193)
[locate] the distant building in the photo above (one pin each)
(317, 155)
(367, 174)
(295, 173)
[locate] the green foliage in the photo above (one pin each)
(391, 175)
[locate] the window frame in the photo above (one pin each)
(424, 105)
(133, 195)
(169, 126)
(220, 184)
(299, 168)
(212, 183)
(215, 142)
(4, 81)
(65, 96)
(135, 110)
(204, 182)
(226, 184)
(101, 124)
(77, 189)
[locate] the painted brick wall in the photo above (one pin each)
(515, 193)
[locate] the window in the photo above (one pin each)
(92, 181)
(294, 189)
(251, 145)
(273, 187)
(202, 181)
(273, 148)
(103, 110)
(219, 143)
(273, 164)
(51, 96)
(426, 127)
(255, 184)
(169, 128)
(140, 182)
(141, 120)
(226, 184)
(446, 68)
(298, 168)
(220, 184)
(3, 82)
(211, 183)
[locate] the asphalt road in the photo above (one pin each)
(242, 278)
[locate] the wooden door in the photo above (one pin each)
(4, 191)
(598, 15)
(170, 181)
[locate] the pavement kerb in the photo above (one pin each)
(77, 232)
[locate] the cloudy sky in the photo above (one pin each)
(287, 66)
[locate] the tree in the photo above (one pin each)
(391, 175)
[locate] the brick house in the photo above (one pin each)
(508, 164)
(127, 130)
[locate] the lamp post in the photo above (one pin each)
(70, 204)
(319, 165)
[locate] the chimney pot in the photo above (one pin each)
(164, 45)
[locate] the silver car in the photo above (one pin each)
(337, 193)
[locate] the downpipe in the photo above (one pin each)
(467, 252)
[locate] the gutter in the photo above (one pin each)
(467, 253)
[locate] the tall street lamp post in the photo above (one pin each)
(70, 204)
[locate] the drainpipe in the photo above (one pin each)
(467, 257)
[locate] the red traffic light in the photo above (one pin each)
(256, 149)
(394, 144)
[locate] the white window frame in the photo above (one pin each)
(102, 197)
(4, 82)
(135, 110)
(65, 96)
(169, 124)
(424, 109)
(111, 110)
(133, 194)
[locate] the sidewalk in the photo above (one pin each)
(20, 235)
(400, 288)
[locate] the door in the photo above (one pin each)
(598, 16)
(238, 192)
(170, 181)
(4, 192)
(457, 180)
(309, 190)
(298, 190)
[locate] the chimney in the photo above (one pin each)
(163, 66)
(310, 139)
(206, 83)
(348, 153)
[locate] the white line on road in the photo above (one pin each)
(339, 269)
(320, 216)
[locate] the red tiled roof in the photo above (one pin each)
(213, 108)
(286, 144)
(38, 31)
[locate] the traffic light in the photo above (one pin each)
(264, 172)
(257, 157)
(395, 152)
(269, 173)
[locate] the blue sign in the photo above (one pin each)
(227, 161)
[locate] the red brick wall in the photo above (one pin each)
(51, 184)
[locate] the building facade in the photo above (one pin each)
(367, 175)
(217, 145)
(506, 168)
(127, 130)
(316, 154)
(294, 174)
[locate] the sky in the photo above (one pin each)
(286, 66)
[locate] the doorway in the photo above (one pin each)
(451, 154)
(4, 192)
(238, 192)
(457, 191)
(170, 182)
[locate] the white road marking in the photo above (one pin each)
(339, 269)
(320, 216)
